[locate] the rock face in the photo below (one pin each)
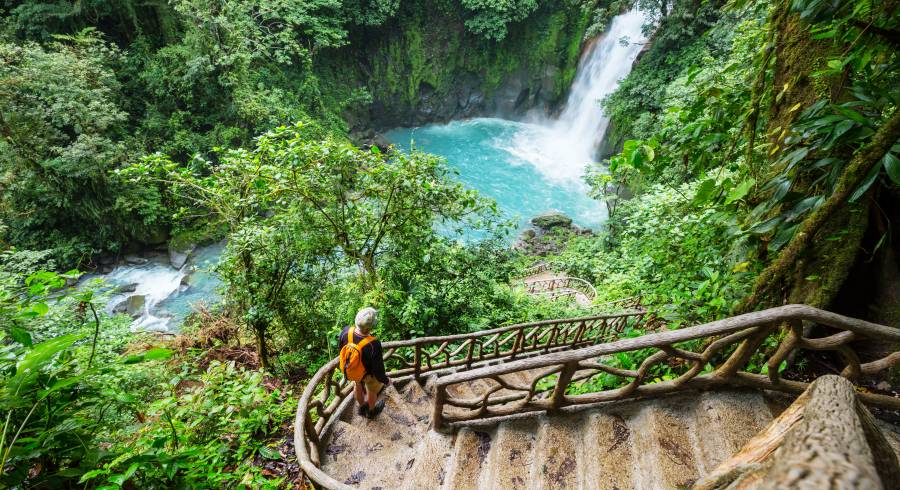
(428, 67)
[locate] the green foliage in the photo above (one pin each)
(204, 431)
(679, 42)
(80, 409)
(303, 211)
(684, 259)
(61, 384)
(448, 287)
(491, 17)
(64, 136)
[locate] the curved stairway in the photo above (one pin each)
(666, 443)
(519, 406)
(542, 280)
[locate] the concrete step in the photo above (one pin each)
(396, 422)
(663, 443)
(608, 462)
(470, 453)
(511, 458)
(557, 454)
(432, 459)
(663, 440)
(358, 457)
(725, 421)
(418, 401)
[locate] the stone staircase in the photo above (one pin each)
(664, 443)
(519, 407)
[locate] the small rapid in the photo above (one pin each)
(157, 295)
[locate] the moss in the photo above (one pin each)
(416, 52)
(817, 282)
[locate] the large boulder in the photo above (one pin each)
(551, 219)
(179, 254)
(133, 306)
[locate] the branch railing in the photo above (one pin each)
(704, 356)
(561, 286)
(325, 393)
(534, 270)
(624, 304)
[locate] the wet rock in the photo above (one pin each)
(178, 255)
(135, 260)
(132, 306)
(126, 288)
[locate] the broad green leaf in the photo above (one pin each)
(782, 237)
(21, 336)
(740, 190)
(705, 192)
(158, 353)
(892, 167)
(40, 309)
(38, 358)
(866, 183)
(766, 226)
(270, 453)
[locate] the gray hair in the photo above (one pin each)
(366, 319)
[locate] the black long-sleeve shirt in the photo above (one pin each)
(372, 356)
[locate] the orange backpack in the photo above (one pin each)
(351, 363)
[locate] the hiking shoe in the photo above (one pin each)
(379, 406)
(362, 410)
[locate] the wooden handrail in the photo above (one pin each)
(567, 349)
(749, 330)
(325, 393)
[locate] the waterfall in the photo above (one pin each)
(561, 148)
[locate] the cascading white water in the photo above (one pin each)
(154, 282)
(561, 148)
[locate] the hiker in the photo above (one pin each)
(361, 362)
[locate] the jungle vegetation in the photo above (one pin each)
(753, 161)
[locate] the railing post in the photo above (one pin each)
(562, 383)
(579, 333)
(417, 362)
(517, 344)
(437, 417)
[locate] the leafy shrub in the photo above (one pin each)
(204, 431)
(676, 255)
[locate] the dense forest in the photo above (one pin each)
(752, 160)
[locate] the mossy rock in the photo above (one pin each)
(552, 219)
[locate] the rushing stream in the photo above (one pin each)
(527, 167)
(159, 296)
(538, 165)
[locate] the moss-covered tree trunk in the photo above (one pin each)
(815, 264)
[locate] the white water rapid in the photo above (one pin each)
(561, 148)
(157, 295)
